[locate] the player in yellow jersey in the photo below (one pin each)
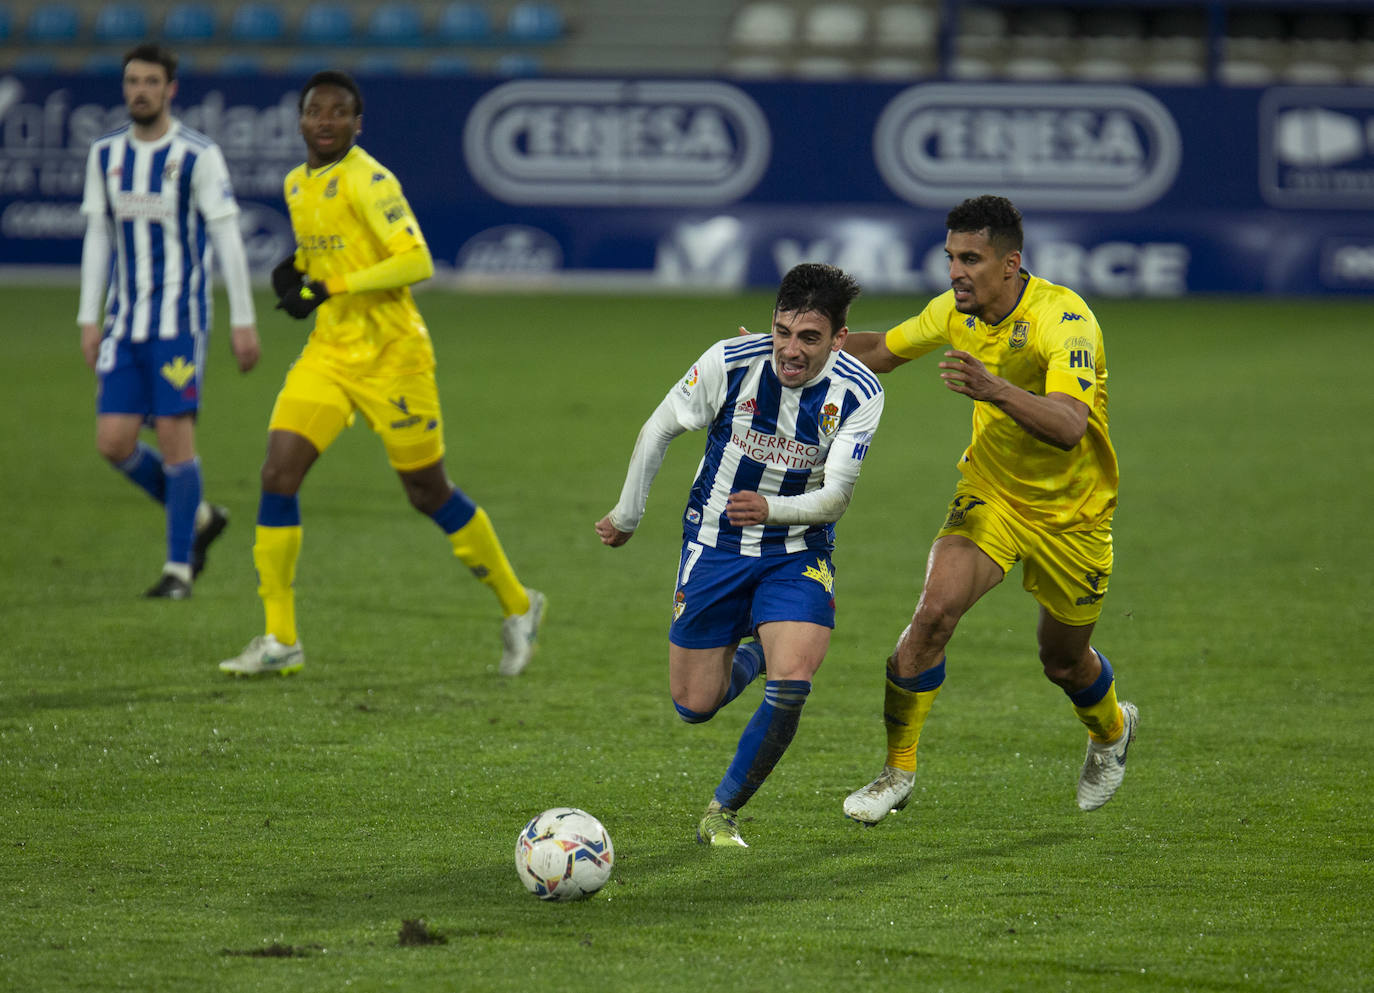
(358, 250)
(1039, 487)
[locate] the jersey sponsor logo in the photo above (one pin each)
(821, 573)
(959, 509)
(406, 422)
(617, 142)
(771, 449)
(377, 177)
(679, 604)
(1080, 358)
(750, 406)
(1070, 316)
(693, 516)
(1316, 147)
(830, 418)
(969, 322)
(394, 214)
(689, 382)
(178, 372)
(1019, 332)
(399, 403)
(1106, 148)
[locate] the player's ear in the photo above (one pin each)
(1013, 262)
(840, 336)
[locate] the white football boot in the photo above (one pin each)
(1105, 765)
(889, 792)
(265, 654)
(520, 633)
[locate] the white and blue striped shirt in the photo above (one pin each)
(157, 198)
(781, 442)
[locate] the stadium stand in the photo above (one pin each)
(121, 23)
(1236, 42)
(189, 24)
(327, 22)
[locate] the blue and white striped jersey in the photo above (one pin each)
(778, 441)
(158, 198)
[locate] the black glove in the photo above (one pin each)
(286, 278)
(302, 301)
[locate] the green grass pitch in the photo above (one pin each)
(165, 828)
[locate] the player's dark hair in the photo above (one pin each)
(819, 287)
(333, 77)
(997, 215)
(150, 52)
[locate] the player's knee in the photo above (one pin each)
(1059, 669)
(115, 450)
(279, 478)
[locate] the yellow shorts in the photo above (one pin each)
(1066, 572)
(318, 402)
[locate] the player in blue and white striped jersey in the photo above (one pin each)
(788, 419)
(157, 197)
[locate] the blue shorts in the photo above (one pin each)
(723, 596)
(156, 378)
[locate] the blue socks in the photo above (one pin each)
(765, 738)
(183, 487)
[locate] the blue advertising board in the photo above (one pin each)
(677, 183)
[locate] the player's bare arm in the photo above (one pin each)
(1057, 419)
(870, 348)
(610, 534)
(745, 507)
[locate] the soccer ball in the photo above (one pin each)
(564, 854)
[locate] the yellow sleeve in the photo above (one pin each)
(1073, 351)
(410, 265)
(926, 331)
(383, 209)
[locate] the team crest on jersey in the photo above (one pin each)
(679, 604)
(822, 574)
(693, 516)
(1019, 331)
(178, 372)
(169, 172)
(829, 419)
(332, 188)
(959, 510)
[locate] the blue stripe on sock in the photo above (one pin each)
(455, 513)
(278, 511)
(692, 716)
(1091, 695)
(764, 741)
(922, 682)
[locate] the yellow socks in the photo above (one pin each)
(906, 704)
(1096, 706)
(275, 551)
(478, 548)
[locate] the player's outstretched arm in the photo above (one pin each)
(870, 348)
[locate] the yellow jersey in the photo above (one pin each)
(1049, 343)
(348, 216)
